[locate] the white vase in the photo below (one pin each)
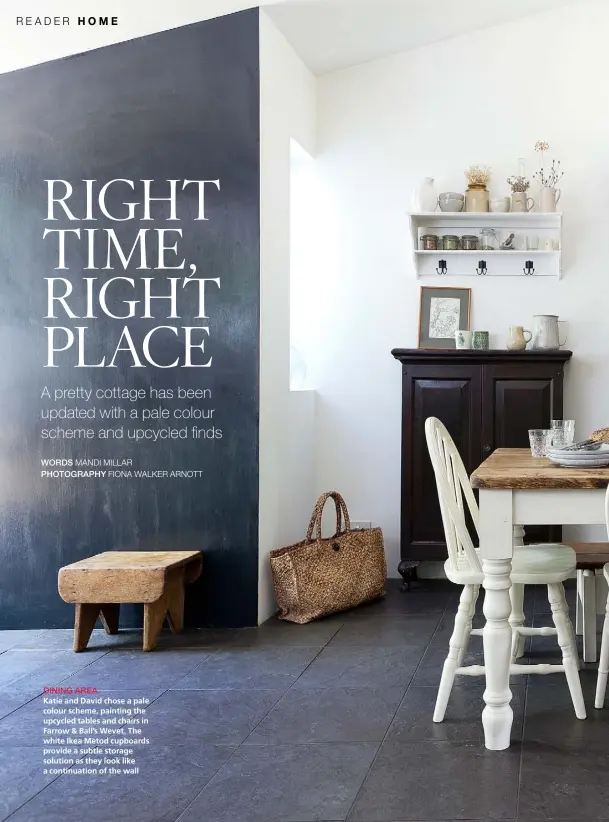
(548, 198)
(425, 197)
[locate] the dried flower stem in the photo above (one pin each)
(551, 179)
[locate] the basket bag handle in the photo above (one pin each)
(342, 515)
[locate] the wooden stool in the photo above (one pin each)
(99, 584)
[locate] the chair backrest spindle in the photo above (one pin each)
(453, 486)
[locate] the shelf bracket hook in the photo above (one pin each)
(442, 267)
(529, 268)
(481, 270)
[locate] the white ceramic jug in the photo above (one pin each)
(516, 340)
(545, 332)
(425, 197)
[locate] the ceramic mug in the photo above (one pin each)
(480, 340)
(463, 339)
(548, 244)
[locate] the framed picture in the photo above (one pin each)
(443, 311)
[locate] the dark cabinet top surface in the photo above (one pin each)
(461, 356)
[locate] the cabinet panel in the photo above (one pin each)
(516, 398)
(454, 396)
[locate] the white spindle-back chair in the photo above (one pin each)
(547, 564)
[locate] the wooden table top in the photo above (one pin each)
(134, 560)
(515, 468)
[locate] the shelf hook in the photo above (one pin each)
(481, 270)
(442, 269)
(529, 268)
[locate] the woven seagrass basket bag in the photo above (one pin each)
(323, 575)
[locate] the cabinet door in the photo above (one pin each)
(516, 397)
(453, 395)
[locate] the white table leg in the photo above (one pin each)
(519, 535)
(496, 546)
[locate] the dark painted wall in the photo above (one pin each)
(183, 104)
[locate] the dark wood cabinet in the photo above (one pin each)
(487, 400)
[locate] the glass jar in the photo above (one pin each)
(469, 242)
(450, 242)
(429, 242)
(488, 240)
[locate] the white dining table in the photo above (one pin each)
(516, 489)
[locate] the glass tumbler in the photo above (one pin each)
(541, 441)
(563, 433)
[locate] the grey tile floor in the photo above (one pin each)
(312, 723)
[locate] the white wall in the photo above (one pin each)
(485, 97)
(287, 97)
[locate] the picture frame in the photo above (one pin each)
(442, 311)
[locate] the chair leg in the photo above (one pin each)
(456, 644)
(588, 599)
(603, 665)
(517, 619)
(566, 640)
(468, 634)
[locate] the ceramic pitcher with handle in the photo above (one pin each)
(545, 333)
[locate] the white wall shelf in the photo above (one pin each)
(510, 263)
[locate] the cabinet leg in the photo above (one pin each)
(407, 569)
(497, 716)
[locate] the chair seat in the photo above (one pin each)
(536, 564)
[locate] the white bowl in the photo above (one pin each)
(449, 201)
(502, 204)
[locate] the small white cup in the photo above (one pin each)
(548, 244)
(463, 338)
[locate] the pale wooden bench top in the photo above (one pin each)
(515, 468)
(134, 560)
